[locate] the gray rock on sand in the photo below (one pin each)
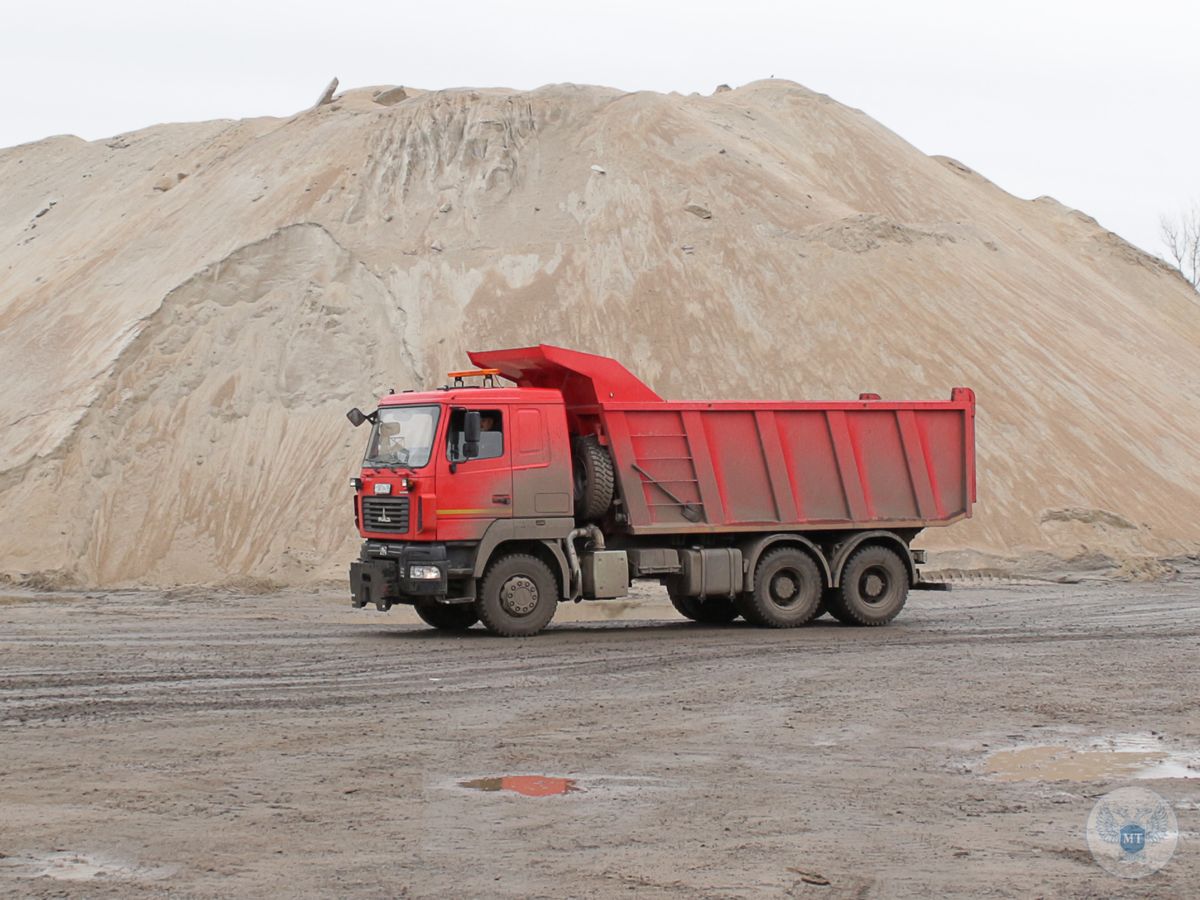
(391, 96)
(327, 94)
(697, 210)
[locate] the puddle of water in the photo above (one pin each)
(527, 785)
(70, 867)
(1129, 756)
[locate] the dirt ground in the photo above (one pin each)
(204, 744)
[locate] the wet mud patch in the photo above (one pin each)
(1120, 757)
(66, 865)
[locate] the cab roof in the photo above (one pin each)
(474, 397)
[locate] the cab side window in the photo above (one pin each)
(491, 438)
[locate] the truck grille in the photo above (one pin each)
(385, 514)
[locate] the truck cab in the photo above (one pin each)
(449, 470)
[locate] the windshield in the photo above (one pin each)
(402, 436)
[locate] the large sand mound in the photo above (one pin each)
(186, 311)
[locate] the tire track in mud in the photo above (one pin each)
(367, 678)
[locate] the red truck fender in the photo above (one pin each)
(541, 537)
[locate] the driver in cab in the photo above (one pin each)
(391, 440)
(404, 439)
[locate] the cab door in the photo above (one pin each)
(541, 469)
(473, 493)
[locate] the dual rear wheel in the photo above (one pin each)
(874, 587)
(789, 591)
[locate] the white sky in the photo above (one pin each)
(1093, 103)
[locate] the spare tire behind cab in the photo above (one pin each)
(592, 470)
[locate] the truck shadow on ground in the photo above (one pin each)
(599, 629)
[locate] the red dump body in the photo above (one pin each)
(755, 466)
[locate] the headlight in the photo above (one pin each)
(424, 573)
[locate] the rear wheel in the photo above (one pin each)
(874, 587)
(713, 610)
(787, 590)
(830, 604)
(518, 596)
(456, 617)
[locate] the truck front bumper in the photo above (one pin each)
(381, 575)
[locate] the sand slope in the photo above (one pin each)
(186, 312)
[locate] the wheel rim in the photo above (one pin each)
(874, 585)
(519, 596)
(784, 588)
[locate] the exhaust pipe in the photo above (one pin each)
(597, 540)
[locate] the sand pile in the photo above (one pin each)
(187, 311)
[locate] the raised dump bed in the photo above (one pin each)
(685, 467)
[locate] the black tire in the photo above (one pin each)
(448, 617)
(710, 610)
(517, 597)
(874, 587)
(787, 590)
(592, 469)
(830, 604)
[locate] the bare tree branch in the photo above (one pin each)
(1181, 236)
(1168, 233)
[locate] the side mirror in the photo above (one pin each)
(472, 429)
(356, 417)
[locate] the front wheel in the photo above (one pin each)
(517, 597)
(874, 587)
(456, 617)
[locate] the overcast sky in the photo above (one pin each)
(1093, 103)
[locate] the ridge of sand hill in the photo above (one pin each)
(187, 310)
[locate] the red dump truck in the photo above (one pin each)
(481, 502)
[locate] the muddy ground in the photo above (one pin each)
(205, 744)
